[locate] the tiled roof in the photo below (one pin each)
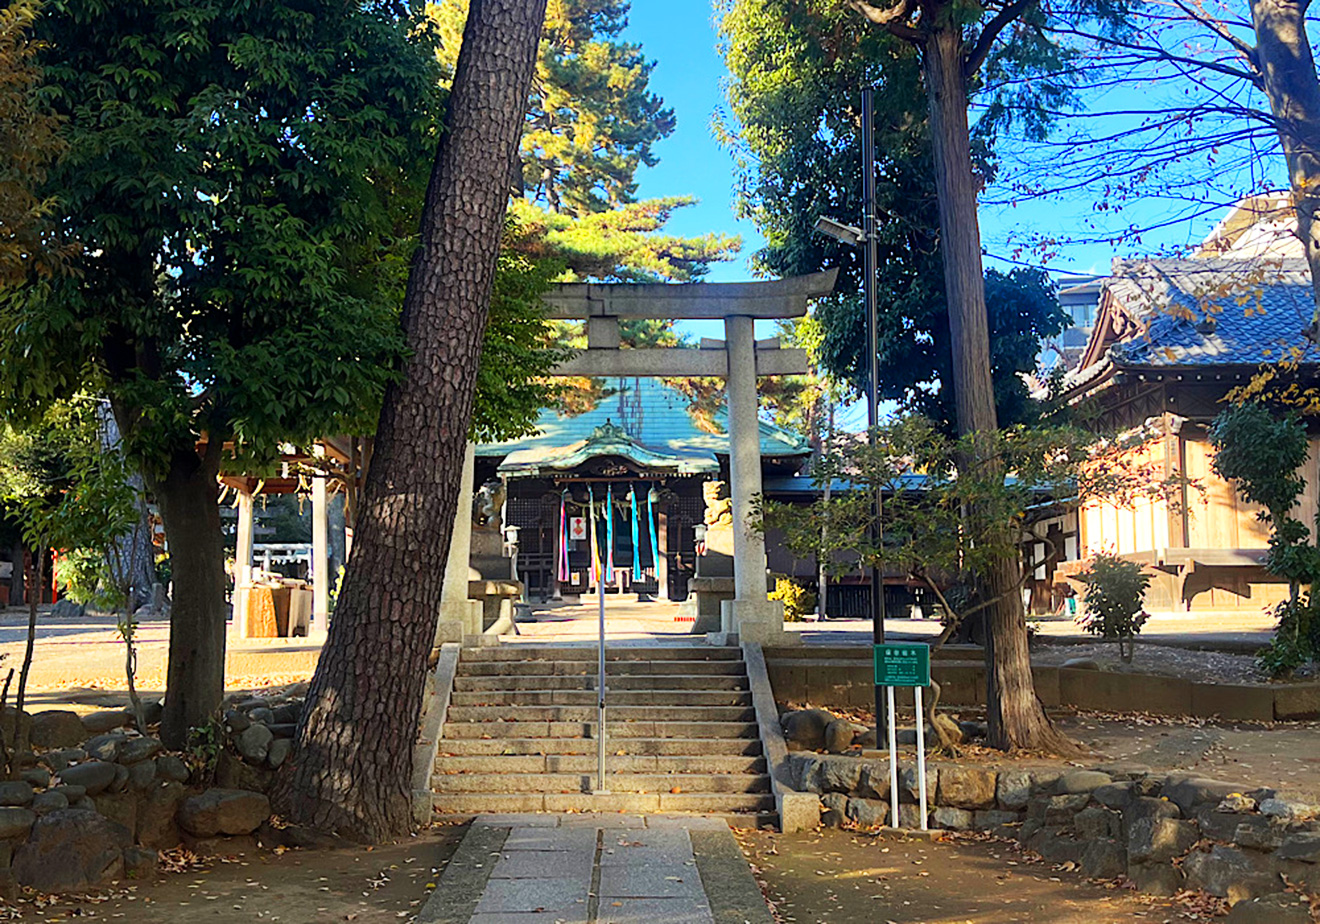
(1258, 308)
(654, 415)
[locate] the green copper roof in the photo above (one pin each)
(642, 419)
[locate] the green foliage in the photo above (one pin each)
(592, 118)
(1114, 595)
(205, 742)
(797, 68)
(234, 177)
(953, 508)
(1262, 453)
(81, 575)
(69, 491)
(798, 601)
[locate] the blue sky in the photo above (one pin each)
(680, 36)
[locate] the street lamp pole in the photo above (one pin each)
(873, 382)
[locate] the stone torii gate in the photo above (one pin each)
(739, 359)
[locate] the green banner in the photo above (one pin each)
(902, 665)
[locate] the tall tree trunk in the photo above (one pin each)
(1016, 717)
(1283, 56)
(189, 505)
(351, 774)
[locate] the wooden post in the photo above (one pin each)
(242, 562)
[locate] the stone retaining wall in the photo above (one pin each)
(96, 800)
(845, 677)
(1164, 832)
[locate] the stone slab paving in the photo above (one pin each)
(596, 869)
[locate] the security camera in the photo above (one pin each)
(846, 234)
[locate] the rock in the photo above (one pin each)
(1081, 664)
(867, 739)
(15, 822)
(7, 722)
(296, 836)
(58, 760)
(1160, 839)
(119, 807)
(37, 777)
(832, 818)
(953, 819)
(105, 720)
(1057, 810)
(990, 819)
(170, 767)
(223, 811)
(839, 774)
(252, 702)
(1288, 809)
(262, 715)
(137, 749)
(1304, 846)
(105, 747)
(17, 792)
(839, 735)
(231, 772)
(84, 804)
(120, 782)
(972, 731)
(1230, 873)
(57, 728)
(93, 775)
(1055, 846)
(279, 752)
(67, 609)
(1156, 878)
(804, 729)
(967, 787)
(286, 730)
(1098, 822)
(1145, 806)
(72, 851)
(1236, 803)
(8, 885)
(1259, 832)
(909, 816)
(156, 826)
(254, 744)
(1079, 781)
(44, 803)
(1013, 790)
(1103, 858)
(1113, 795)
(906, 737)
(152, 712)
(140, 863)
(909, 786)
(1187, 794)
(874, 780)
(237, 722)
(867, 813)
(1279, 908)
(142, 774)
(288, 713)
(72, 793)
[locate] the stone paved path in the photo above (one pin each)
(596, 869)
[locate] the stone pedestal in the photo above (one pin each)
(459, 615)
(705, 594)
(760, 621)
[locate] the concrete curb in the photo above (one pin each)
(455, 897)
(798, 811)
(731, 890)
(434, 709)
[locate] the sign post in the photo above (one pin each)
(904, 666)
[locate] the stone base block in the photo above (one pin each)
(756, 621)
(457, 619)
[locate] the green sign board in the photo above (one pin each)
(902, 665)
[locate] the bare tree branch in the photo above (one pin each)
(986, 40)
(893, 19)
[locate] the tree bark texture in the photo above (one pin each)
(1283, 57)
(1015, 715)
(189, 505)
(351, 772)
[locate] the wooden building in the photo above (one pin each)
(1172, 338)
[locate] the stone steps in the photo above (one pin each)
(556, 714)
(633, 747)
(613, 668)
(519, 734)
(615, 682)
(504, 782)
(651, 698)
(615, 763)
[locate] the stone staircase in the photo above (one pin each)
(520, 734)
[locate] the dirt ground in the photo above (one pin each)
(841, 876)
(1163, 660)
(364, 885)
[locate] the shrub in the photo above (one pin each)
(797, 600)
(1115, 589)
